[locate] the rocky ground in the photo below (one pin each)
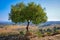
(55, 37)
(19, 37)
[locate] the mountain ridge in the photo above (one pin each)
(48, 23)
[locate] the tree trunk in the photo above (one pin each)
(27, 26)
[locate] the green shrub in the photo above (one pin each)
(57, 31)
(49, 33)
(49, 30)
(54, 29)
(31, 31)
(21, 33)
(42, 31)
(39, 34)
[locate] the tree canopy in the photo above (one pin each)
(24, 13)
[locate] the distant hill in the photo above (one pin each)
(6, 23)
(48, 23)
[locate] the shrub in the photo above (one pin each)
(54, 30)
(42, 31)
(21, 33)
(48, 30)
(49, 33)
(57, 32)
(58, 28)
(39, 34)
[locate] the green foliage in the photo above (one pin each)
(42, 31)
(56, 30)
(46, 31)
(21, 33)
(49, 33)
(39, 34)
(15, 12)
(49, 30)
(31, 30)
(33, 12)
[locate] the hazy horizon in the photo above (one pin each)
(46, 21)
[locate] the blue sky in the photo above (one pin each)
(52, 8)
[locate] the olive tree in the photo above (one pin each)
(27, 13)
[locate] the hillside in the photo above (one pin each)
(55, 37)
(12, 32)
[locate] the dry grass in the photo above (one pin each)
(15, 29)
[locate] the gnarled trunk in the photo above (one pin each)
(27, 29)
